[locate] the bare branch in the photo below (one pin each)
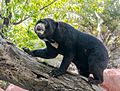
(99, 23)
(48, 5)
(16, 23)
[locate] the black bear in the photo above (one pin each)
(85, 51)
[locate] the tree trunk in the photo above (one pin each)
(27, 72)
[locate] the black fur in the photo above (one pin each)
(85, 51)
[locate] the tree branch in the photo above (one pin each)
(48, 5)
(16, 23)
(1, 16)
(25, 71)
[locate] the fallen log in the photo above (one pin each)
(29, 73)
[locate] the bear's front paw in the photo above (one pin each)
(27, 50)
(56, 72)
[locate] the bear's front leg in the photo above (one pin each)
(27, 50)
(67, 59)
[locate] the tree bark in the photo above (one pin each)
(27, 72)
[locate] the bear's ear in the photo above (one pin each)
(56, 24)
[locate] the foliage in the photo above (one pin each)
(23, 15)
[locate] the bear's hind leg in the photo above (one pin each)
(97, 72)
(84, 73)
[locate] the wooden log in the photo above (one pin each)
(28, 72)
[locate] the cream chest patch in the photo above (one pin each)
(55, 44)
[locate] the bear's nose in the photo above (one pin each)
(38, 28)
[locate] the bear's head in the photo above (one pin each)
(45, 28)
